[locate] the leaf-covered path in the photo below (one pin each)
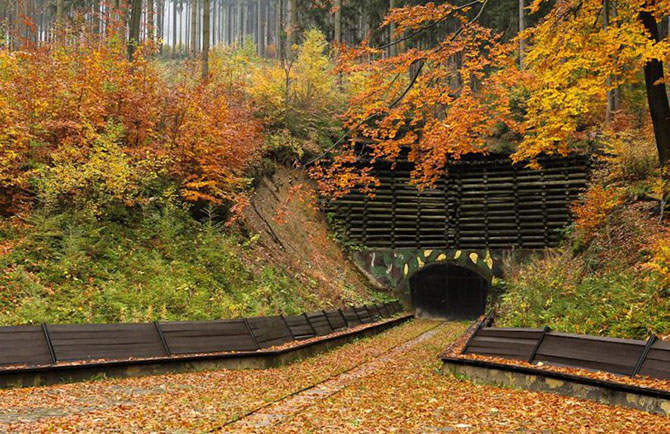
(281, 409)
(404, 392)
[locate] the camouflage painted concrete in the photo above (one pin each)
(393, 268)
(539, 383)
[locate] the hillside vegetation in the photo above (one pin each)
(159, 263)
(131, 190)
(611, 276)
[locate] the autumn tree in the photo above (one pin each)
(574, 66)
(421, 99)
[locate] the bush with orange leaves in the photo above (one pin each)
(82, 126)
(592, 211)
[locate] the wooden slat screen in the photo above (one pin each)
(657, 363)
(21, 345)
(300, 327)
(481, 203)
(383, 311)
(105, 341)
(605, 354)
(374, 312)
(351, 317)
(35, 345)
(208, 336)
(269, 331)
(397, 307)
(619, 356)
(363, 314)
(320, 323)
(504, 342)
(336, 319)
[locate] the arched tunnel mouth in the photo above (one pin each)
(448, 291)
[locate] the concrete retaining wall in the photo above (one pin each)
(654, 401)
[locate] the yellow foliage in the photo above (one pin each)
(300, 94)
(660, 261)
(571, 64)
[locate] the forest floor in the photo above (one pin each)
(390, 383)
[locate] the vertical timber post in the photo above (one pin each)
(52, 353)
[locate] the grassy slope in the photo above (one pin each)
(162, 264)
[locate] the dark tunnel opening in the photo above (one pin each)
(448, 291)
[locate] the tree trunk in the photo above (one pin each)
(194, 27)
(393, 49)
(608, 81)
(150, 20)
(659, 109)
(135, 20)
(338, 21)
(522, 27)
(60, 7)
(281, 34)
(96, 17)
(229, 18)
(259, 27)
(205, 39)
(292, 26)
(174, 28)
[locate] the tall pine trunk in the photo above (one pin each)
(205, 39)
(151, 33)
(292, 26)
(134, 31)
(338, 21)
(608, 81)
(522, 27)
(194, 27)
(60, 7)
(259, 28)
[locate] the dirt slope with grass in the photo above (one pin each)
(290, 230)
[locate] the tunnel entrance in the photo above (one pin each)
(448, 291)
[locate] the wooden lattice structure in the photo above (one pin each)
(482, 202)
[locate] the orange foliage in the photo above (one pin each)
(58, 104)
(422, 99)
(592, 211)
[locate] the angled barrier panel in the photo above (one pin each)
(351, 317)
(335, 319)
(606, 354)
(50, 344)
(23, 345)
(374, 312)
(363, 315)
(320, 323)
(510, 343)
(105, 341)
(208, 336)
(657, 362)
(383, 311)
(299, 327)
(269, 331)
